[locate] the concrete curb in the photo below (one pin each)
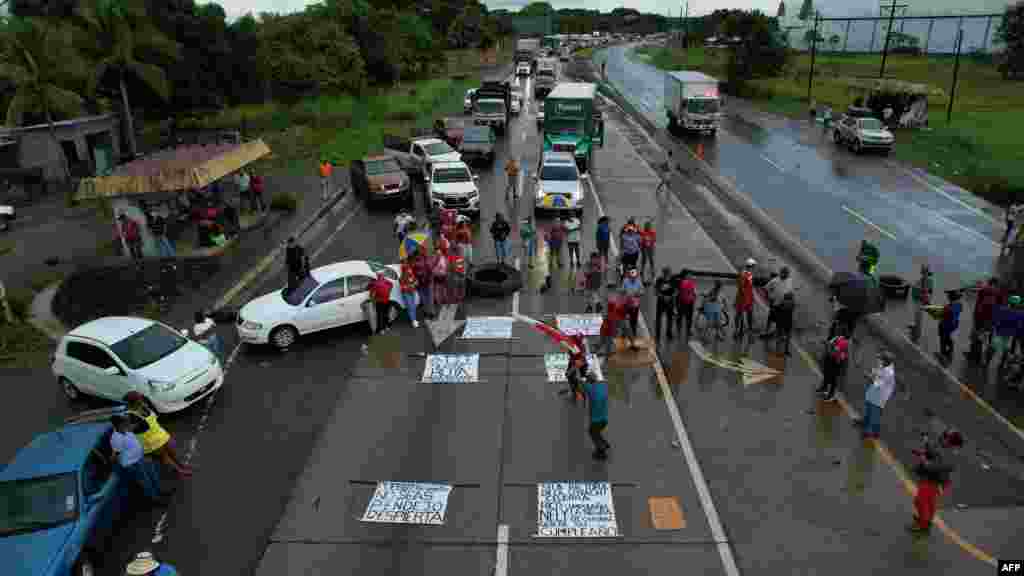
(893, 337)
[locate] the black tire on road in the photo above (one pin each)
(495, 280)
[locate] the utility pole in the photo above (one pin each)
(885, 50)
(814, 51)
(956, 71)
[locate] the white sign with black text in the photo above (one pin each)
(408, 503)
(488, 327)
(556, 364)
(585, 324)
(575, 510)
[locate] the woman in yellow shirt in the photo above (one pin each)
(156, 441)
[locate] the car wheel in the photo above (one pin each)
(69, 388)
(283, 337)
(837, 137)
(857, 148)
(495, 280)
(84, 566)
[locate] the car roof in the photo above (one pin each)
(453, 164)
(56, 452)
(337, 270)
(558, 158)
(429, 141)
(111, 329)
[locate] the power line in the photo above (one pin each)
(885, 50)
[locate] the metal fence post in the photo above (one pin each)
(928, 36)
(956, 71)
(846, 38)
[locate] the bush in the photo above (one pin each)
(284, 201)
(20, 303)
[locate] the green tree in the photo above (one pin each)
(1011, 34)
(811, 37)
(306, 53)
(536, 9)
(41, 63)
(126, 44)
(806, 10)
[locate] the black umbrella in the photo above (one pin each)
(857, 292)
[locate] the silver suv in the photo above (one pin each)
(558, 184)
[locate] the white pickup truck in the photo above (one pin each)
(452, 185)
(416, 155)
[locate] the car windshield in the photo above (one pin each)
(490, 107)
(438, 148)
(375, 167)
(477, 135)
(37, 503)
(870, 124)
(147, 346)
(565, 127)
(448, 175)
(298, 295)
(559, 172)
(702, 106)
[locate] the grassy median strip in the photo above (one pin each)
(977, 150)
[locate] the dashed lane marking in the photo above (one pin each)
(769, 160)
(863, 219)
(924, 182)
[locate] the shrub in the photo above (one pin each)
(284, 201)
(20, 303)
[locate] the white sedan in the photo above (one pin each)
(113, 356)
(331, 296)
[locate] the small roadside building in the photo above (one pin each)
(91, 145)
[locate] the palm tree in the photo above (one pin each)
(123, 38)
(38, 59)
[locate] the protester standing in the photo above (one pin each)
(634, 289)
(380, 291)
(156, 441)
(572, 237)
(837, 353)
(528, 236)
(129, 453)
(686, 294)
(131, 235)
(629, 239)
(256, 191)
(464, 239)
(949, 323)
(934, 470)
(666, 289)
(597, 395)
(499, 232)
(777, 288)
(648, 239)
(424, 282)
(456, 275)
(439, 273)
(883, 384)
(555, 237)
(512, 175)
(407, 286)
(988, 298)
(163, 245)
(294, 258)
(593, 280)
(745, 299)
(615, 314)
(784, 322)
(326, 171)
(603, 238)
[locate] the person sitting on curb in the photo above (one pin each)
(156, 441)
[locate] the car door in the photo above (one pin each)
(100, 502)
(112, 386)
(77, 367)
(324, 308)
(91, 363)
(357, 292)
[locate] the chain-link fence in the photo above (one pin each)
(917, 34)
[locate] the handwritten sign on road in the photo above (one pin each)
(451, 369)
(575, 510)
(556, 364)
(585, 324)
(488, 327)
(408, 503)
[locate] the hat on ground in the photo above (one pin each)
(751, 262)
(143, 564)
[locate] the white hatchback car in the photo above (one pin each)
(112, 356)
(331, 296)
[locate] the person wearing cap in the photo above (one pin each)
(630, 241)
(883, 384)
(745, 299)
(633, 289)
(130, 454)
(934, 470)
(145, 564)
(156, 441)
(949, 323)
(326, 170)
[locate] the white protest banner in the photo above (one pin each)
(451, 369)
(585, 324)
(488, 327)
(575, 510)
(556, 364)
(408, 503)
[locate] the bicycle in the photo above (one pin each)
(703, 325)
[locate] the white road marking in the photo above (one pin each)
(769, 160)
(515, 295)
(867, 222)
(974, 209)
(501, 561)
(524, 136)
(703, 492)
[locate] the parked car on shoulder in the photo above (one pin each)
(330, 297)
(863, 133)
(450, 130)
(114, 355)
(478, 144)
(60, 498)
(379, 178)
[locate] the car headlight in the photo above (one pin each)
(540, 192)
(252, 325)
(474, 193)
(161, 386)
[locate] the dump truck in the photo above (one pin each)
(572, 123)
(544, 79)
(492, 103)
(692, 102)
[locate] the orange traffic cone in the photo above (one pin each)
(700, 150)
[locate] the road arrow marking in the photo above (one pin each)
(753, 372)
(445, 325)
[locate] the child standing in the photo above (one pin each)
(713, 311)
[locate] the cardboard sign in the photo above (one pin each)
(666, 513)
(575, 510)
(408, 503)
(451, 369)
(488, 327)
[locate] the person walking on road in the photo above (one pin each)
(156, 441)
(597, 396)
(572, 237)
(129, 454)
(837, 353)
(407, 286)
(163, 244)
(129, 230)
(629, 240)
(686, 297)
(294, 258)
(424, 282)
(784, 322)
(949, 324)
(745, 299)
(666, 287)
(925, 287)
(648, 238)
(594, 277)
(634, 290)
(380, 291)
(439, 273)
(934, 470)
(528, 236)
(256, 191)
(456, 276)
(555, 238)
(512, 174)
(988, 298)
(883, 384)
(499, 232)
(603, 237)
(326, 171)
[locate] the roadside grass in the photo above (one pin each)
(979, 150)
(22, 345)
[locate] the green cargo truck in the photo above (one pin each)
(571, 122)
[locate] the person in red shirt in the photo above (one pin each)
(989, 297)
(464, 239)
(439, 271)
(745, 299)
(614, 316)
(256, 192)
(456, 275)
(407, 286)
(132, 237)
(648, 238)
(687, 296)
(380, 291)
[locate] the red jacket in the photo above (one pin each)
(463, 235)
(256, 184)
(687, 291)
(130, 230)
(648, 238)
(745, 291)
(380, 290)
(456, 263)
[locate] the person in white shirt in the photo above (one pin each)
(204, 332)
(572, 237)
(402, 222)
(883, 384)
(129, 454)
(777, 288)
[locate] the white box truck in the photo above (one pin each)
(692, 102)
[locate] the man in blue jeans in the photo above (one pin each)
(500, 231)
(597, 395)
(130, 456)
(883, 383)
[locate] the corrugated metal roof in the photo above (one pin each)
(573, 90)
(691, 76)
